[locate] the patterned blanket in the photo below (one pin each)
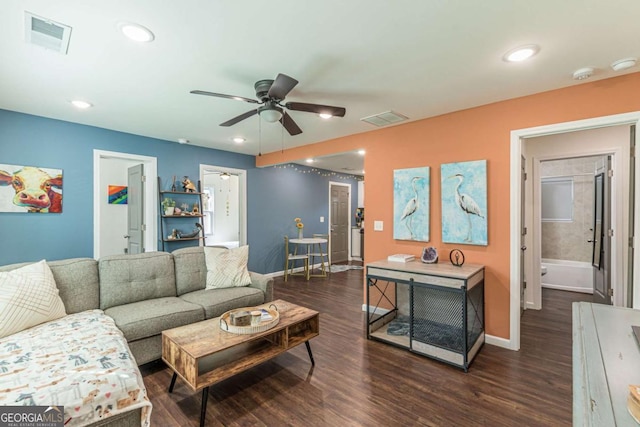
(80, 361)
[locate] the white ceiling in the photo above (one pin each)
(419, 58)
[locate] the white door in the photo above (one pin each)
(135, 209)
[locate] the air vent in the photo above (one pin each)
(384, 119)
(46, 33)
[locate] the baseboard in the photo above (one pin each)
(567, 288)
(498, 342)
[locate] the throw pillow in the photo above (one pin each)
(227, 268)
(28, 297)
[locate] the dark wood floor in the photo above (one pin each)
(357, 382)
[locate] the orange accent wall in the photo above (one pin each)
(472, 134)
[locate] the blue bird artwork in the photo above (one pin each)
(411, 204)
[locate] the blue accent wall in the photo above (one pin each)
(274, 195)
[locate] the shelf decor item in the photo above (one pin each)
(299, 226)
(429, 255)
(456, 257)
(168, 205)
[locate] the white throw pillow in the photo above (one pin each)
(28, 297)
(227, 268)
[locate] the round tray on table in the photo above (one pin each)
(225, 322)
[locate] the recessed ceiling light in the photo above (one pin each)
(583, 73)
(81, 104)
(309, 160)
(361, 152)
(136, 32)
(325, 115)
(623, 64)
(183, 141)
(363, 171)
(239, 140)
(521, 53)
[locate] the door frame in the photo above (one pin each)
(150, 199)
(341, 184)
(516, 150)
(242, 194)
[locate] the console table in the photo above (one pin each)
(606, 360)
(436, 310)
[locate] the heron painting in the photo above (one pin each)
(411, 204)
(464, 202)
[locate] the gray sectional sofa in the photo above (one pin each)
(151, 292)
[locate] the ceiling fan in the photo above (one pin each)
(271, 93)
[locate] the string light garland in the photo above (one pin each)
(320, 172)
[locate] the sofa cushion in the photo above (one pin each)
(217, 301)
(227, 268)
(144, 319)
(28, 297)
(191, 269)
(125, 279)
(77, 281)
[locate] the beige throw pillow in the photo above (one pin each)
(28, 297)
(227, 268)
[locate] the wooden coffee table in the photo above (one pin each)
(202, 354)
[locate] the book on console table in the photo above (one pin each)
(401, 258)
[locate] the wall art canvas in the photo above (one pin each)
(30, 189)
(464, 202)
(117, 194)
(411, 193)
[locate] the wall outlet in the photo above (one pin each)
(321, 219)
(378, 225)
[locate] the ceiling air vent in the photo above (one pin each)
(384, 119)
(46, 33)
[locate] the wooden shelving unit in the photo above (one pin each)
(165, 220)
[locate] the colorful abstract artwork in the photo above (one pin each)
(117, 194)
(411, 193)
(30, 189)
(464, 202)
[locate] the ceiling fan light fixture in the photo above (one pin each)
(325, 116)
(271, 116)
(224, 176)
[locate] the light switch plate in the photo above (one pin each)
(378, 225)
(321, 219)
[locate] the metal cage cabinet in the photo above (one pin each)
(436, 310)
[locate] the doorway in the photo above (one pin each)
(109, 220)
(224, 205)
(620, 215)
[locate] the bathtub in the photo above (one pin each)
(568, 275)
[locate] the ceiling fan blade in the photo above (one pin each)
(281, 86)
(240, 118)
(289, 124)
(222, 95)
(316, 108)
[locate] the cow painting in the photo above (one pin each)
(34, 189)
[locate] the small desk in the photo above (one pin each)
(309, 242)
